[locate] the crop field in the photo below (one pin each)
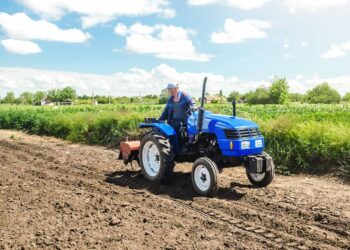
(301, 138)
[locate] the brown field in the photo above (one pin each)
(58, 195)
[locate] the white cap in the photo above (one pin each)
(172, 86)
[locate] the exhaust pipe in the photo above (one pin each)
(201, 109)
(234, 108)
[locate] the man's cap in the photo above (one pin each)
(172, 86)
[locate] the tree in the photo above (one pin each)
(102, 99)
(53, 95)
(150, 97)
(323, 93)
(259, 96)
(234, 96)
(164, 96)
(67, 94)
(26, 98)
(39, 96)
(296, 97)
(10, 98)
(346, 97)
(62, 95)
(279, 91)
(84, 97)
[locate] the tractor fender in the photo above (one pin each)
(166, 129)
(215, 124)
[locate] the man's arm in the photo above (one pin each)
(164, 114)
(190, 101)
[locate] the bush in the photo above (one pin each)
(296, 97)
(346, 97)
(307, 146)
(278, 91)
(323, 93)
(234, 96)
(259, 96)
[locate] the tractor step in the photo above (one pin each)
(129, 151)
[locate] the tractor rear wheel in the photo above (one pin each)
(205, 176)
(156, 157)
(262, 179)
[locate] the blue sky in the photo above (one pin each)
(133, 47)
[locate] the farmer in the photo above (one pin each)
(177, 108)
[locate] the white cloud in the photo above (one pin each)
(312, 5)
(236, 32)
(99, 11)
(131, 83)
(121, 29)
(20, 47)
(168, 42)
(301, 84)
(337, 51)
(140, 81)
(304, 44)
(286, 44)
(239, 4)
(299, 77)
(202, 2)
(20, 26)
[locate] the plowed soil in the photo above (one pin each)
(58, 195)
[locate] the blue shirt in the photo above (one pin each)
(177, 111)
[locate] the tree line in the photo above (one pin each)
(277, 93)
(66, 94)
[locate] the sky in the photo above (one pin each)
(135, 47)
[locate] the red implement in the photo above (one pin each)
(129, 151)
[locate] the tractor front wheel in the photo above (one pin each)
(205, 176)
(156, 157)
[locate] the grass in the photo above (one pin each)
(301, 138)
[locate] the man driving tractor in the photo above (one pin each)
(215, 141)
(177, 109)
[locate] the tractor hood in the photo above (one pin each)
(229, 121)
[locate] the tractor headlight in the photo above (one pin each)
(258, 143)
(245, 145)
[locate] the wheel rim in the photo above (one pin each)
(202, 178)
(151, 158)
(257, 177)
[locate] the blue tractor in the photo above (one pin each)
(211, 141)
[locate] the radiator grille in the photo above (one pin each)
(241, 133)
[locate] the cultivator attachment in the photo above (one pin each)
(129, 151)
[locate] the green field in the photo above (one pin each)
(301, 138)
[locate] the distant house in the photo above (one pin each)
(46, 102)
(94, 102)
(215, 99)
(67, 103)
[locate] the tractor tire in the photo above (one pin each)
(156, 158)
(263, 179)
(205, 175)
